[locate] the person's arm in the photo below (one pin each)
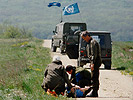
(46, 71)
(93, 47)
(65, 76)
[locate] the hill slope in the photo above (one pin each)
(114, 16)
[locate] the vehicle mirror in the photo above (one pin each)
(54, 32)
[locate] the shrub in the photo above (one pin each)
(10, 31)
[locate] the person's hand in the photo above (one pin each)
(77, 87)
(72, 90)
(92, 67)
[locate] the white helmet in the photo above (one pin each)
(55, 58)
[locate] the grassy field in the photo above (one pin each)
(122, 57)
(22, 63)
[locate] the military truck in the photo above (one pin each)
(65, 39)
(104, 38)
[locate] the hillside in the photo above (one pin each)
(122, 56)
(111, 15)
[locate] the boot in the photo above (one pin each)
(94, 93)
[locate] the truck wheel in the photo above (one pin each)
(79, 63)
(61, 51)
(107, 64)
(53, 48)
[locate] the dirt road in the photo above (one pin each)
(113, 85)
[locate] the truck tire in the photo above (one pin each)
(61, 50)
(79, 63)
(53, 48)
(107, 64)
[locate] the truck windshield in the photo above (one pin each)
(100, 39)
(75, 28)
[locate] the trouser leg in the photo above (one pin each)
(60, 88)
(95, 79)
(95, 82)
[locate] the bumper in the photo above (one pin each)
(88, 60)
(106, 59)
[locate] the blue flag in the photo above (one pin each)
(54, 4)
(71, 9)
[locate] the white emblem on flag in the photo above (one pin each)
(70, 10)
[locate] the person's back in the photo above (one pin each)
(55, 77)
(83, 77)
(54, 74)
(79, 76)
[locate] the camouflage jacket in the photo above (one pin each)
(85, 74)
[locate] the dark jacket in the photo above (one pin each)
(94, 52)
(55, 75)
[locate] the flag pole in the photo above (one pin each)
(61, 16)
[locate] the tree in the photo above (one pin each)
(12, 32)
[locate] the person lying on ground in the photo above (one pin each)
(78, 92)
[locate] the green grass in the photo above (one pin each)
(122, 57)
(22, 63)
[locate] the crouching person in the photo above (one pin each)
(79, 76)
(55, 77)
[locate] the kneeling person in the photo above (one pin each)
(55, 77)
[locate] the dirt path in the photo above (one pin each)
(113, 85)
